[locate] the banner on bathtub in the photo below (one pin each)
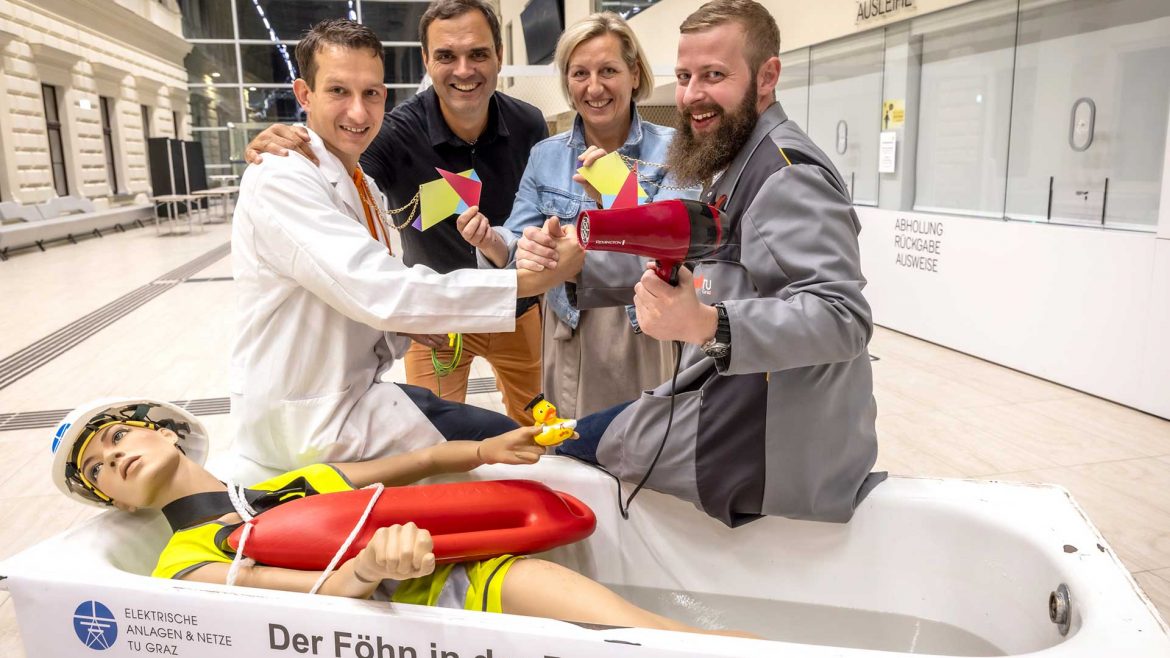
(63, 619)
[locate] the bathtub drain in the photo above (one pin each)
(1060, 608)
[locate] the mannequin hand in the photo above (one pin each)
(398, 552)
(515, 447)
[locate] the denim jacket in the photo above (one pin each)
(547, 188)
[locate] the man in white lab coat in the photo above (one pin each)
(324, 307)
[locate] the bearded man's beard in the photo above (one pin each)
(692, 160)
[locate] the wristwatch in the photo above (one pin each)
(719, 347)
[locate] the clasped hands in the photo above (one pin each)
(665, 312)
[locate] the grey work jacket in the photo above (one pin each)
(786, 426)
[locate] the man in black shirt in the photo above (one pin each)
(459, 123)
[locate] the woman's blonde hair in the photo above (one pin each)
(596, 25)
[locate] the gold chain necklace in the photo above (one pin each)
(409, 208)
(644, 179)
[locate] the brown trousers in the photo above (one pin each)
(514, 356)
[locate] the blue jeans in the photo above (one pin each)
(457, 421)
(591, 428)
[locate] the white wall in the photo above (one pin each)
(1087, 308)
(129, 50)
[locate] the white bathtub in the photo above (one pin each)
(948, 567)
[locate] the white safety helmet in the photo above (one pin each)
(80, 425)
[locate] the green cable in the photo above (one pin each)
(444, 369)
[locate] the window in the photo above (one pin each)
(56, 144)
(792, 90)
(964, 108)
(207, 19)
(269, 105)
(844, 108)
(289, 19)
(175, 123)
(1089, 117)
(392, 21)
(267, 63)
(108, 140)
(214, 107)
(146, 122)
(1020, 109)
(211, 63)
(242, 62)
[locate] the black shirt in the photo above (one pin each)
(415, 139)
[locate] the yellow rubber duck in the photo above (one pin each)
(556, 430)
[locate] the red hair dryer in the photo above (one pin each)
(670, 232)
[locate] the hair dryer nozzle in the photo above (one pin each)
(667, 231)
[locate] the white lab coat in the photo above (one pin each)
(318, 301)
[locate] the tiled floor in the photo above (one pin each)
(940, 413)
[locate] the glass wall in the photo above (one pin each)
(242, 63)
(844, 99)
(964, 108)
(1035, 110)
(1089, 125)
(792, 90)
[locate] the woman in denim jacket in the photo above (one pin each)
(594, 359)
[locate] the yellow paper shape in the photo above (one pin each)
(438, 200)
(608, 174)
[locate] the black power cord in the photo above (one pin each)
(625, 509)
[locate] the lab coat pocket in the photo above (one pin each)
(558, 203)
(305, 429)
(628, 447)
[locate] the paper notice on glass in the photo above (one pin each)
(887, 149)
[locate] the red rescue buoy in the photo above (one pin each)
(467, 520)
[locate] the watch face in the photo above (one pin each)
(716, 350)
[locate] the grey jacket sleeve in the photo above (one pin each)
(800, 246)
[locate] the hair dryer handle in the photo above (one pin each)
(667, 271)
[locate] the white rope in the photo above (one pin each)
(240, 503)
(378, 488)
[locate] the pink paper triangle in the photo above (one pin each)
(628, 196)
(466, 188)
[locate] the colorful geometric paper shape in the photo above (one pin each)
(609, 175)
(628, 196)
(448, 195)
(467, 187)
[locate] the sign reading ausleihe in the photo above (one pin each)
(871, 9)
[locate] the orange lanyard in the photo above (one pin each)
(376, 227)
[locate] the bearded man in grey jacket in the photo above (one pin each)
(772, 411)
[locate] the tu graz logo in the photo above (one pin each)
(703, 284)
(95, 625)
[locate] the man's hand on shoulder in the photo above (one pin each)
(279, 139)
